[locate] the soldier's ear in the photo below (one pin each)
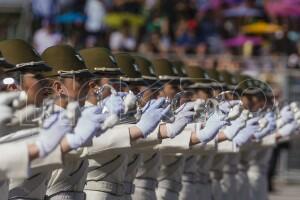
(92, 84)
(58, 88)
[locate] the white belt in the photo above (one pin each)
(170, 185)
(67, 195)
(149, 184)
(129, 188)
(104, 186)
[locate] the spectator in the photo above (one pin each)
(46, 37)
(122, 40)
(43, 9)
(186, 39)
(95, 12)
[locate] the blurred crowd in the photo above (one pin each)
(229, 28)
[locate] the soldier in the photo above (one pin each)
(258, 164)
(145, 181)
(26, 75)
(106, 171)
(71, 83)
(195, 180)
(136, 83)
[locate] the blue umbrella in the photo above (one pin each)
(70, 17)
(242, 11)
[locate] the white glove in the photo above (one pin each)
(236, 125)
(25, 114)
(288, 129)
(113, 104)
(152, 114)
(130, 101)
(271, 126)
(297, 115)
(88, 125)
(122, 94)
(6, 110)
(235, 112)
(214, 123)
(286, 116)
(246, 133)
(294, 106)
(226, 106)
(53, 130)
(184, 115)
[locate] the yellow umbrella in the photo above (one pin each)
(261, 28)
(115, 20)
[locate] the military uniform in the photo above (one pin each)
(67, 182)
(26, 60)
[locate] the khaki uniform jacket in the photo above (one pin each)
(35, 185)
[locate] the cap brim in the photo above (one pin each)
(135, 82)
(200, 86)
(153, 83)
(5, 65)
(108, 73)
(34, 68)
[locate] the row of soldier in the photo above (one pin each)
(96, 125)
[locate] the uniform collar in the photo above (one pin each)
(88, 104)
(58, 108)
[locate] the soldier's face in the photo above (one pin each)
(258, 103)
(147, 95)
(201, 94)
(169, 91)
(246, 102)
(33, 85)
(92, 96)
(73, 89)
(216, 92)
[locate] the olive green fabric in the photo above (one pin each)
(128, 66)
(165, 70)
(216, 78)
(182, 73)
(65, 61)
(22, 55)
(4, 65)
(198, 76)
(229, 79)
(146, 68)
(147, 71)
(180, 68)
(100, 61)
(246, 85)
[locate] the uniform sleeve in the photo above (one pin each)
(21, 135)
(115, 139)
(210, 146)
(14, 161)
(147, 143)
(178, 144)
(50, 162)
(227, 147)
(269, 140)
